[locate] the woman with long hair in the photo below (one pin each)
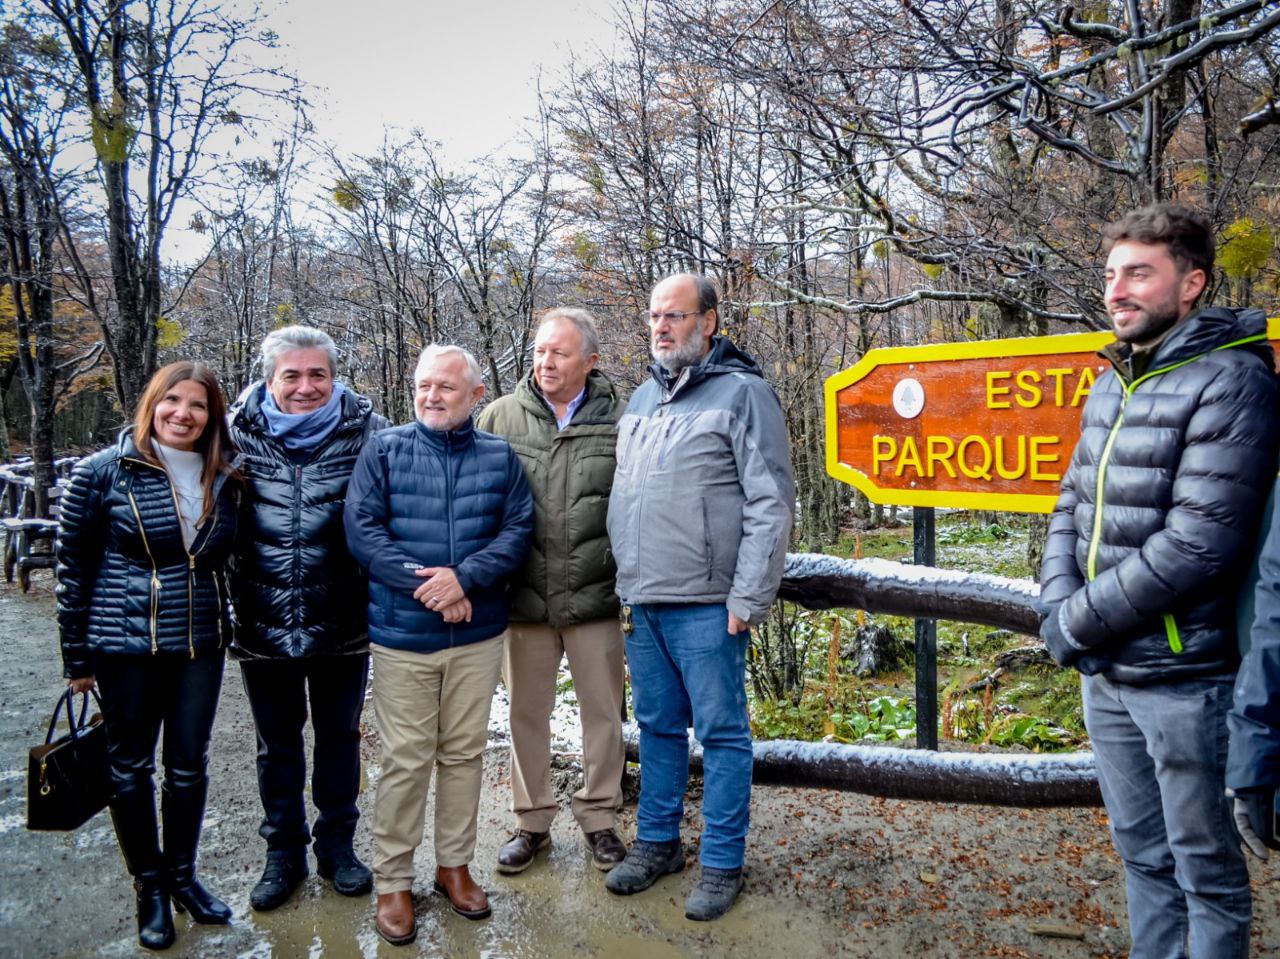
(146, 529)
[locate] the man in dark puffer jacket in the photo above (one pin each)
(440, 515)
(1146, 545)
(300, 634)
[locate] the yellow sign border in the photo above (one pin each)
(968, 350)
(933, 352)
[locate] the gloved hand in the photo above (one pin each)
(1252, 812)
(1060, 648)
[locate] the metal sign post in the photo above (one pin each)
(923, 529)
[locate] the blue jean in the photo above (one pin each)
(687, 670)
(1161, 756)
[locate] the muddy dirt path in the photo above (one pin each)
(829, 874)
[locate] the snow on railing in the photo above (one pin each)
(880, 586)
(816, 581)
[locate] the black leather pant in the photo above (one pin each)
(278, 691)
(140, 696)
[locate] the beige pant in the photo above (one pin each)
(530, 666)
(433, 710)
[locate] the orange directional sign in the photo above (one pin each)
(979, 425)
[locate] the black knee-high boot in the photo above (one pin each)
(134, 813)
(182, 802)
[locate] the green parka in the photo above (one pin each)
(569, 575)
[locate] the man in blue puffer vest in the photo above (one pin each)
(440, 515)
(1155, 524)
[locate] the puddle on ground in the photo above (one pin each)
(559, 908)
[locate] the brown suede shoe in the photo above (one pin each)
(395, 919)
(607, 850)
(467, 898)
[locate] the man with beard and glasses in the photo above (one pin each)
(1146, 547)
(699, 518)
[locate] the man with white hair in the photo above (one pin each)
(440, 515)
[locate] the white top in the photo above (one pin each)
(184, 468)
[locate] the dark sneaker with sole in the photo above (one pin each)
(279, 879)
(350, 877)
(607, 850)
(646, 863)
(518, 852)
(714, 894)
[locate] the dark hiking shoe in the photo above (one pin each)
(714, 894)
(350, 877)
(279, 879)
(646, 863)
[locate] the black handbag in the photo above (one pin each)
(68, 780)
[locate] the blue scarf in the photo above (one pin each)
(302, 431)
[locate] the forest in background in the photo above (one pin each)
(855, 175)
(883, 173)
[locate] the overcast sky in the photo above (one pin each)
(464, 71)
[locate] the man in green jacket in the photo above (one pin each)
(562, 422)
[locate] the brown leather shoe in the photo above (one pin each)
(518, 852)
(467, 898)
(607, 850)
(395, 919)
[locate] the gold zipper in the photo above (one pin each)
(191, 566)
(155, 573)
(217, 592)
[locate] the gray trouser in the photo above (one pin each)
(1161, 753)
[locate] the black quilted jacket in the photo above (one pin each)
(1159, 508)
(295, 588)
(126, 583)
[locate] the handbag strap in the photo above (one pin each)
(74, 724)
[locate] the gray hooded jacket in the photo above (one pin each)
(703, 495)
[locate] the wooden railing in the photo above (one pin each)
(30, 540)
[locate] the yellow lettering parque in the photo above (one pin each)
(976, 457)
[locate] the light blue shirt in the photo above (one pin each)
(568, 410)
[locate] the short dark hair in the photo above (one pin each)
(1186, 233)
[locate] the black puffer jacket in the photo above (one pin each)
(294, 586)
(126, 582)
(1180, 456)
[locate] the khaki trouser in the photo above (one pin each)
(530, 666)
(433, 710)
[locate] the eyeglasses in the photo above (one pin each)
(674, 316)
